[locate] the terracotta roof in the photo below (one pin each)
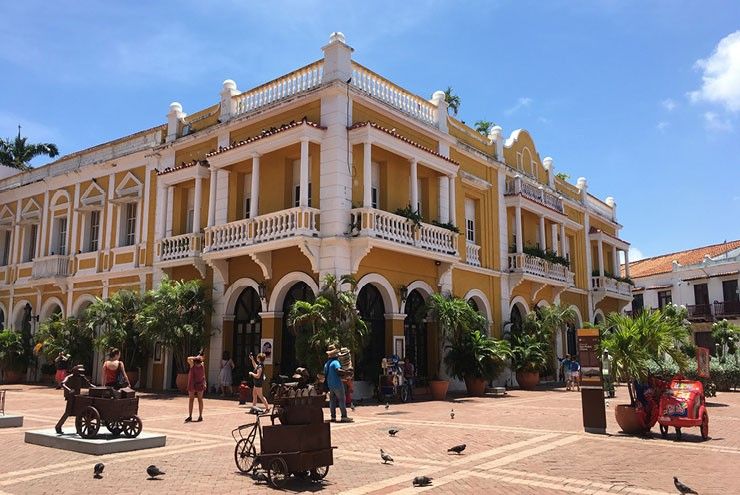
(395, 134)
(594, 230)
(265, 133)
(713, 275)
(663, 263)
(183, 165)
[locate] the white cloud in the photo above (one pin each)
(721, 74)
(669, 104)
(714, 122)
(523, 102)
(35, 131)
(662, 125)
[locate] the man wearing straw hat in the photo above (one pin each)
(332, 372)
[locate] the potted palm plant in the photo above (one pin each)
(12, 362)
(476, 359)
(529, 357)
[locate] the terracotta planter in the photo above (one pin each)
(476, 386)
(527, 380)
(438, 389)
(133, 378)
(629, 420)
(182, 382)
(12, 376)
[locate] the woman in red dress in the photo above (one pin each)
(196, 385)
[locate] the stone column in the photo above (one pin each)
(445, 205)
(272, 329)
(600, 248)
(627, 263)
(562, 240)
(168, 215)
(615, 261)
(414, 184)
(554, 238)
(215, 347)
(518, 222)
(161, 225)
(367, 175)
(453, 201)
(41, 249)
(255, 187)
(197, 200)
(303, 200)
(212, 198)
(543, 236)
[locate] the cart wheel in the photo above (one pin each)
(319, 473)
(663, 431)
(88, 422)
(678, 433)
(132, 427)
(705, 426)
(245, 455)
(404, 394)
(277, 472)
(115, 427)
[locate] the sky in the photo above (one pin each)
(640, 97)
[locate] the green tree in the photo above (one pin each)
(726, 336)
(562, 176)
(537, 337)
(475, 355)
(18, 153)
(454, 316)
(116, 323)
(68, 335)
(484, 126)
(453, 101)
(175, 314)
(11, 349)
(331, 319)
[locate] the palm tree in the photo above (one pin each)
(455, 316)
(453, 101)
(484, 126)
(18, 154)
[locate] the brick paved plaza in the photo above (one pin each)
(528, 442)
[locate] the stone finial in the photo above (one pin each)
(547, 163)
(438, 96)
(440, 117)
(496, 134)
(174, 117)
(175, 107)
(582, 183)
(228, 105)
(675, 264)
(229, 85)
(337, 59)
(337, 37)
(610, 201)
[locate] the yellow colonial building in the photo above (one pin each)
(269, 189)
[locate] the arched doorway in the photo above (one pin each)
(570, 339)
(516, 319)
(372, 310)
(2, 320)
(288, 362)
(598, 318)
(474, 305)
(415, 333)
(247, 331)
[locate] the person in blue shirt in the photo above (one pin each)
(565, 363)
(332, 372)
(575, 374)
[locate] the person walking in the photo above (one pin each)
(62, 366)
(565, 365)
(224, 376)
(258, 375)
(575, 374)
(196, 385)
(332, 374)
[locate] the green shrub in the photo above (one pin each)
(722, 376)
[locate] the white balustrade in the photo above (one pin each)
(386, 225)
(50, 266)
(535, 192)
(534, 265)
(472, 254)
(601, 209)
(264, 228)
(179, 246)
(378, 87)
(610, 284)
(291, 84)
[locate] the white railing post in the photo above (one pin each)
(228, 102)
(440, 110)
(174, 117)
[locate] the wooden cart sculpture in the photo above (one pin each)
(300, 445)
(102, 407)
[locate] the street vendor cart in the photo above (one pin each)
(104, 406)
(682, 405)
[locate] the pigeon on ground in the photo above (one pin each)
(386, 458)
(682, 488)
(452, 414)
(387, 405)
(98, 470)
(457, 448)
(153, 471)
(422, 481)
(392, 432)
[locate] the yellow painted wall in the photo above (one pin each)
(361, 113)
(311, 110)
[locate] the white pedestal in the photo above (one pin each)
(10, 421)
(104, 444)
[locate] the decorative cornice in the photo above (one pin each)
(392, 132)
(265, 133)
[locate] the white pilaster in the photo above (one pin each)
(554, 237)
(304, 171)
(600, 250)
(169, 211)
(337, 59)
(174, 117)
(228, 105)
(503, 224)
(161, 225)
(215, 347)
(615, 261)
(212, 198)
(413, 178)
(222, 197)
(254, 192)
(41, 249)
(518, 224)
(497, 136)
(542, 234)
(440, 114)
(549, 165)
(627, 263)
(72, 234)
(367, 175)
(453, 201)
(444, 199)
(197, 201)
(589, 261)
(562, 240)
(109, 212)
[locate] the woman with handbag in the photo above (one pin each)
(114, 371)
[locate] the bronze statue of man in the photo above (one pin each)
(72, 386)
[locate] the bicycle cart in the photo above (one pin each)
(391, 387)
(102, 407)
(299, 445)
(682, 405)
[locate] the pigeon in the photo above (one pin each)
(682, 488)
(452, 414)
(392, 432)
(260, 477)
(387, 405)
(457, 449)
(98, 470)
(386, 458)
(153, 471)
(422, 481)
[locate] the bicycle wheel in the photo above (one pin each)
(277, 472)
(245, 455)
(404, 393)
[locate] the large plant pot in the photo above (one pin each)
(438, 389)
(12, 376)
(628, 419)
(476, 386)
(133, 378)
(527, 380)
(182, 382)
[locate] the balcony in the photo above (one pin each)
(472, 254)
(611, 287)
(284, 224)
(401, 231)
(179, 247)
(699, 312)
(518, 186)
(727, 309)
(50, 267)
(539, 270)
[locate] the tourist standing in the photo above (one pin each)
(196, 385)
(62, 365)
(224, 376)
(409, 374)
(332, 371)
(259, 379)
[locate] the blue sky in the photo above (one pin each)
(642, 98)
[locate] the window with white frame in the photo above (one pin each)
(61, 236)
(29, 253)
(128, 227)
(375, 185)
(92, 240)
(297, 182)
(190, 211)
(247, 195)
(5, 246)
(470, 220)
